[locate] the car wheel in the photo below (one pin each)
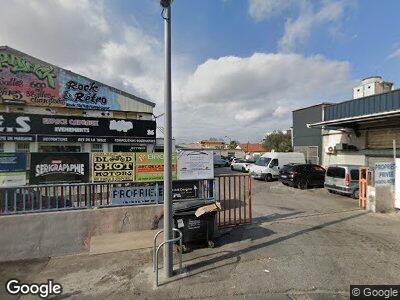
(303, 185)
(356, 194)
(268, 177)
(243, 169)
(232, 168)
(331, 192)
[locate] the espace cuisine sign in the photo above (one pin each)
(59, 167)
(44, 128)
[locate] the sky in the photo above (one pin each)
(239, 66)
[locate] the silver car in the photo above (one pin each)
(343, 179)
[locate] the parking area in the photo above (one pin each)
(302, 244)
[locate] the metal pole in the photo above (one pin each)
(168, 234)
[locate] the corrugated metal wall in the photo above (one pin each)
(363, 106)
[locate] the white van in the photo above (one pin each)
(268, 165)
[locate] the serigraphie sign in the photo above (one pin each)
(150, 166)
(59, 168)
(12, 169)
(384, 173)
(50, 128)
(113, 167)
(195, 165)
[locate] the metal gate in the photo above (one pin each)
(234, 194)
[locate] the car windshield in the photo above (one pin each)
(263, 161)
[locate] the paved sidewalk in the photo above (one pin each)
(301, 245)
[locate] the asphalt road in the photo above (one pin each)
(301, 245)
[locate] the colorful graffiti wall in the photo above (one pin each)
(25, 80)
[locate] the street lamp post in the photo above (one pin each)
(168, 221)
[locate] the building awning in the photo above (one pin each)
(369, 120)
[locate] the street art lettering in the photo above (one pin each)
(19, 64)
(83, 93)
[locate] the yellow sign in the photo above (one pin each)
(113, 167)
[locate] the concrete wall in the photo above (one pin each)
(67, 232)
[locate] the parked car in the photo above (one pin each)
(220, 162)
(241, 165)
(343, 179)
(302, 176)
(268, 165)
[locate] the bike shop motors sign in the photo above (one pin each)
(113, 167)
(45, 128)
(59, 168)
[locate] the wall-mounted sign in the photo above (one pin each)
(185, 189)
(12, 169)
(397, 184)
(113, 167)
(50, 128)
(195, 165)
(29, 81)
(150, 166)
(59, 168)
(384, 173)
(150, 195)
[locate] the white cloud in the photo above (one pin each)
(79, 35)
(263, 9)
(298, 31)
(241, 97)
(246, 96)
(311, 15)
(395, 54)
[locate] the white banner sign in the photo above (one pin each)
(384, 173)
(397, 184)
(195, 164)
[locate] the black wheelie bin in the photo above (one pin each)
(194, 229)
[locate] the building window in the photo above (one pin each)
(1, 147)
(22, 147)
(97, 147)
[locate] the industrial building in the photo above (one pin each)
(308, 140)
(45, 108)
(361, 131)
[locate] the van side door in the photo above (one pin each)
(274, 167)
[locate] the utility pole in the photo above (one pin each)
(168, 221)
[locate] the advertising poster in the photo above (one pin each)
(150, 167)
(59, 168)
(195, 165)
(138, 195)
(113, 167)
(12, 169)
(384, 173)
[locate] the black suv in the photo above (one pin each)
(302, 176)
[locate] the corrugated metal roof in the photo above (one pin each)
(384, 102)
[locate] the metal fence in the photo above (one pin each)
(53, 197)
(234, 194)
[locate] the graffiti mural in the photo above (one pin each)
(28, 81)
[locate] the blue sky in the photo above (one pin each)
(239, 66)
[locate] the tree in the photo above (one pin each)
(278, 141)
(233, 144)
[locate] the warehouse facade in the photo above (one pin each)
(45, 108)
(361, 131)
